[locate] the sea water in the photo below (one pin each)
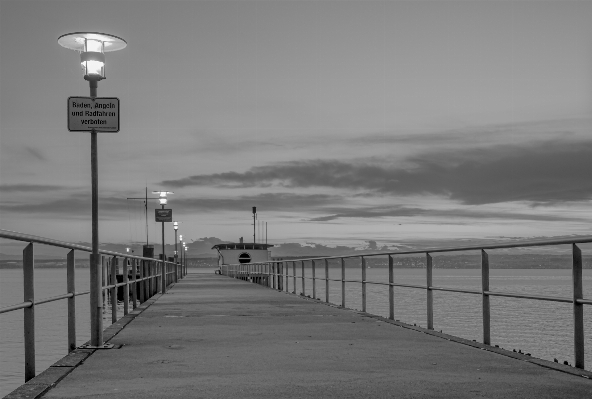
(544, 329)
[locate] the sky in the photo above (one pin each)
(365, 124)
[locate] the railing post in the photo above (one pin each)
(71, 288)
(326, 281)
(96, 302)
(578, 308)
(314, 281)
(391, 289)
(287, 277)
(126, 295)
(430, 293)
(363, 283)
(273, 275)
(114, 289)
(103, 282)
(342, 282)
(294, 276)
(485, 297)
(303, 283)
(134, 264)
(142, 283)
(29, 313)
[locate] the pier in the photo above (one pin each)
(214, 336)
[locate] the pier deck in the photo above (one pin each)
(212, 336)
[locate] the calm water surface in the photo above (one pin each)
(544, 329)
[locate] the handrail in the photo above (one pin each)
(13, 235)
(146, 277)
(517, 244)
(271, 274)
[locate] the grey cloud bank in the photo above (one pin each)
(542, 172)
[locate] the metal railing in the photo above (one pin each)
(276, 274)
(146, 274)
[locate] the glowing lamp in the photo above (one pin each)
(92, 47)
(175, 225)
(162, 201)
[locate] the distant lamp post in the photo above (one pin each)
(92, 47)
(162, 199)
(176, 227)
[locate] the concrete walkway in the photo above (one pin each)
(216, 337)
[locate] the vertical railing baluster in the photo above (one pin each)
(287, 276)
(485, 298)
(71, 288)
(303, 283)
(314, 280)
(134, 265)
(326, 280)
(430, 293)
(578, 308)
(113, 282)
(29, 313)
(126, 290)
(294, 276)
(342, 282)
(363, 283)
(142, 281)
(103, 277)
(391, 289)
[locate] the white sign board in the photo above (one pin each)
(100, 114)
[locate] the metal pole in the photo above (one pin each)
(326, 281)
(96, 304)
(163, 272)
(71, 286)
(578, 308)
(391, 289)
(176, 266)
(430, 293)
(342, 282)
(485, 298)
(29, 313)
(363, 284)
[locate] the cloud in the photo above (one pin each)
(35, 153)
(540, 172)
(269, 202)
(452, 215)
(11, 188)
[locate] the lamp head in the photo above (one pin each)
(162, 201)
(175, 225)
(92, 47)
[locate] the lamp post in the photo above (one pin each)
(181, 242)
(163, 201)
(92, 47)
(176, 227)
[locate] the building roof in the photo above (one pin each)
(239, 245)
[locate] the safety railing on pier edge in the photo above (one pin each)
(273, 274)
(146, 274)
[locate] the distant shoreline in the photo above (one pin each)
(496, 261)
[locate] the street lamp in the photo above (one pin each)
(92, 47)
(162, 199)
(176, 227)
